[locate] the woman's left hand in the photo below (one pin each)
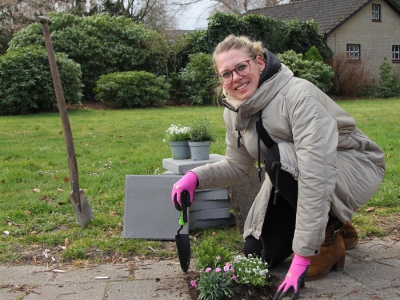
(294, 279)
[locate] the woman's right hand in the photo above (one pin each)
(188, 183)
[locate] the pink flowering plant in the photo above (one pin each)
(215, 283)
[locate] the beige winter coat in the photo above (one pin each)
(338, 167)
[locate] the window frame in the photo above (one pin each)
(353, 52)
(396, 53)
(376, 14)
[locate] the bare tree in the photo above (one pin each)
(231, 6)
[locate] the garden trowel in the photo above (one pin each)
(77, 197)
(182, 240)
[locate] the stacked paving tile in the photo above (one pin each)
(149, 213)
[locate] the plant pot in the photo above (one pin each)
(180, 150)
(200, 150)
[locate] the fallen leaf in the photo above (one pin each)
(60, 190)
(66, 179)
(369, 209)
(123, 162)
(36, 190)
(56, 178)
(388, 155)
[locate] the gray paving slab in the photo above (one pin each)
(371, 272)
(149, 213)
(181, 166)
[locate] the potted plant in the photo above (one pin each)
(177, 137)
(200, 137)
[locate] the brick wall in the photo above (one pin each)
(375, 38)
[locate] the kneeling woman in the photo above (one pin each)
(320, 166)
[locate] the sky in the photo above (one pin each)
(195, 17)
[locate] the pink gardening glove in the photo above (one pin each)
(187, 183)
(294, 279)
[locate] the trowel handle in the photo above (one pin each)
(185, 201)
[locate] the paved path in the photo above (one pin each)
(372, 271)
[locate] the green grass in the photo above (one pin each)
(112, 144)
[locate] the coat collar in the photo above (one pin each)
(248, 108)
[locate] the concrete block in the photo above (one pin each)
(208, 214)
(216, 194)
(209, 204)
(181, 166)
(201, 224)
(149, 213)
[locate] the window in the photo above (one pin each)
(396, 53)
(353, 51)
(376, 12)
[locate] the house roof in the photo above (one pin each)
(328, 14)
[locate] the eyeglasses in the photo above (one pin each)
(243, 68)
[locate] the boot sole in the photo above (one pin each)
(337, 266)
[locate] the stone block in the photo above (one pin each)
(181, 166)
(201, 224)
(208, 214)
(149, 213)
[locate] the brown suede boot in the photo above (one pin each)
(331, 255)
(350, 236)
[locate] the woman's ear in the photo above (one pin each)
(260, 61)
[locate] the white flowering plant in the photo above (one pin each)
(177, 133)
(251, 270)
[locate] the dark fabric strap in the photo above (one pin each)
(267, 140)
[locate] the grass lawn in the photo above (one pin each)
(37, 217)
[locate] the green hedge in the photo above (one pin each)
(26, 85)
(132, 89)
(101, 44)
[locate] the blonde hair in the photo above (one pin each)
(252, 48)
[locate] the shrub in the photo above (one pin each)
(207, 251)
(197, 80)
(132, 89)
(200, 130)
(278, 36)
(101, 44)
(316, 72)
(351, 78)
(26, 84)
(313, 55)
(389, 80)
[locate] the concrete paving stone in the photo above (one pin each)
(212, 223)
(211, 204)
(71, 291)
(146, 289)
(181, 166)
(208, 214)
(217, 194)
(149, 213)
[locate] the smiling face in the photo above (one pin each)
(241, 87)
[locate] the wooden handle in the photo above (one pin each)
(43, 20)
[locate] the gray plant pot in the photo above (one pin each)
(200, 150)
(180, 150)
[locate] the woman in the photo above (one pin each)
(320, 166)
